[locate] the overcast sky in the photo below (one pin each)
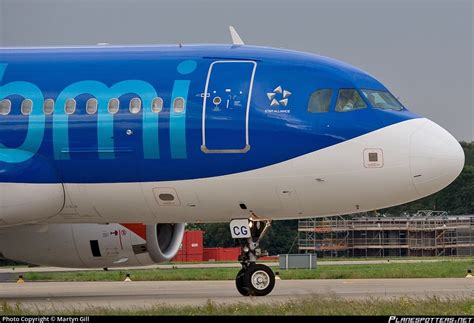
(422, 50)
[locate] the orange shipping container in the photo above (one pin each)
(191, 248)
(192, 243)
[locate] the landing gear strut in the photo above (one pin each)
(254, 279)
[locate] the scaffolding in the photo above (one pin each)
(426, 233)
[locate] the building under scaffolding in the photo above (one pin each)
(427, 233)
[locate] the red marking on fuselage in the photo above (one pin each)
(138, 228)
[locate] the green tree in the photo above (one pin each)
(468, 152)
(281, 237)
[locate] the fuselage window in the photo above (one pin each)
(113, 106)
(26, 107)
(157, 105)
(70, 106)
(91, 106)
(135, 105)
(48, 106)
(349, 100)
(320, 101)
(178, 105)
(5, 107)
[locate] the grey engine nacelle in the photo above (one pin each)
(91, 245)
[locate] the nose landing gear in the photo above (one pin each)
(254, 279)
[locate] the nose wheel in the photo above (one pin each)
(254, 279)
(241, 285)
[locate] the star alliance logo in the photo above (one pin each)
(278, 97)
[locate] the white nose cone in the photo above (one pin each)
(436, 158)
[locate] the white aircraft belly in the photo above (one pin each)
(330, 181)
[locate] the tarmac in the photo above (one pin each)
(141, 294)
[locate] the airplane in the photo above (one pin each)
(107, 151)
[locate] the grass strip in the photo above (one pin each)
(442, 269)
(432, 306)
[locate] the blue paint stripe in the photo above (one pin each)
(146, 92)
(178, 121)
(3, 67)
(61, 119)
(36, 122)
(151, 144)
(105, 129)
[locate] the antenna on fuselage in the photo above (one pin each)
(236, 40)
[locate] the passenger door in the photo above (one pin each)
(226, 107)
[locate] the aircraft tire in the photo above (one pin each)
(240, 284)
(260, 280)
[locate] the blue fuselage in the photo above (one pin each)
(217, 116)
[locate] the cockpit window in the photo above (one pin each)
(320, 101)
(349, 100)
(382, 100)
